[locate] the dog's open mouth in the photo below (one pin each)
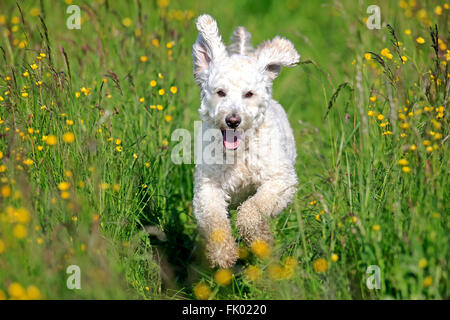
(231, 139)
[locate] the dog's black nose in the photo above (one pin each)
(233, 121)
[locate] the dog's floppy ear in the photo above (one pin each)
(241, 42)
(208, 47)
(276, 53)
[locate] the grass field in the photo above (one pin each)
(86, 176)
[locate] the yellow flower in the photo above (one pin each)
(143, 58)
(428, 281)
(22, 215)
(65, 195)
(16, 291)
(260, 248)
(334, 257)
(119, 149)
(423, 263)
(223, 277)
(253, 273)
(408, 32)
(406, 169)
(173, 89)
(218, 235)
(202, 291)
(376, 227)
(127, 22)
(69, 122)
(155, 42)
(320, 265)
(51, 140)
(5, 191)
(116, 187)
(438, 10)
(413, 147)
(373, 98)
(161, 92)
(63, 186)
(34, 66)
(403, 162)
(26, 74)
(153, 83)
(2, 246)
(68, 137)
(163, 3)
(367, 56)
(275, 271)
(426, 143)
(28, 162)
(380, 117)
(25, 94)
(33, 293)
(370, 113)
(386, 53)
(168, 118)
(159, 107)
(20, 231)
(290, 263)
(420, 40)
(104, 186)
(404, 125)
(242, 253)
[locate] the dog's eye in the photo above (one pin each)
(248, 94)
(221, 93)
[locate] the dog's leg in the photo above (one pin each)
(269, 200)
(210, 209)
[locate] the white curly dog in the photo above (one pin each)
(254, 132)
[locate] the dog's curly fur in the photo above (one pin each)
(261, 179)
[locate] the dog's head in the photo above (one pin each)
(236, 82)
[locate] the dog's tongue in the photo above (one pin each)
(231, 139)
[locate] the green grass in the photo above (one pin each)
(126, 219)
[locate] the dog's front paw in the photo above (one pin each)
(253, 225)
(221, 249)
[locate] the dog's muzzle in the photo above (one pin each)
(232, 137)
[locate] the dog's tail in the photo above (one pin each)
(241, 42)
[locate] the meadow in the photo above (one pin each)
(86, 176)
